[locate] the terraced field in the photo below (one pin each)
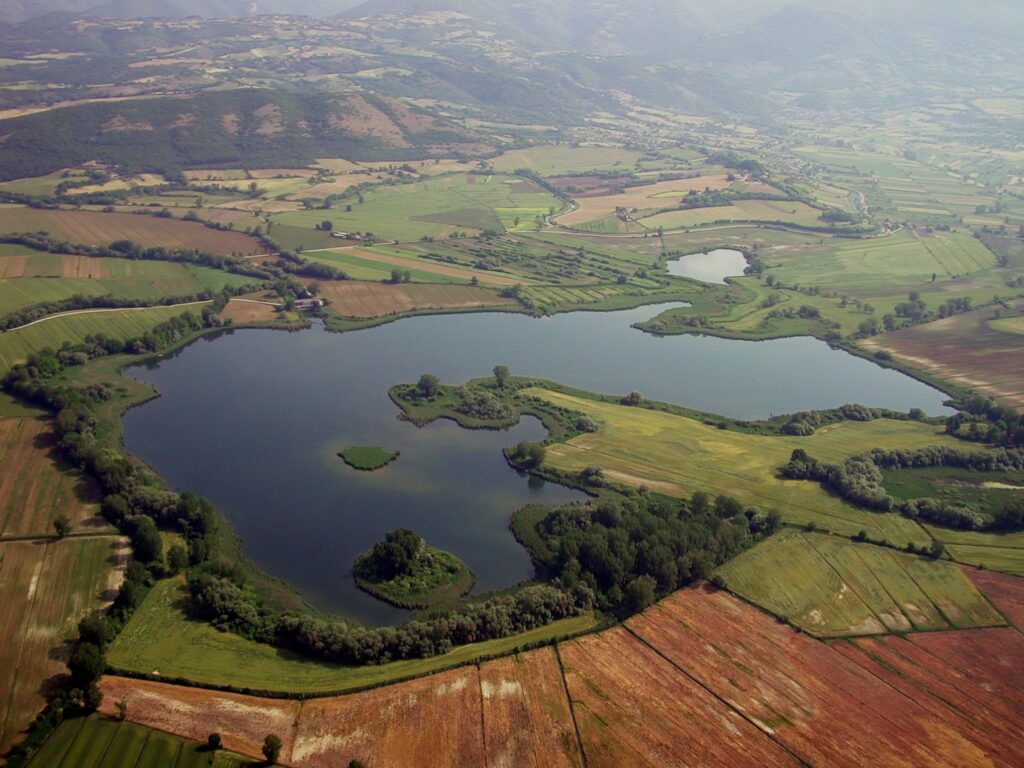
(832, 587)
(95, 228)
(678, 455)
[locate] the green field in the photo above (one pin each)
(984, 492)
(99, 742)
(679, 455)
(16, 345)
(788, 211)
(160, 638)
(832, 587)
(435, 207)
(561, 160)
(996, 551)
(143, 280)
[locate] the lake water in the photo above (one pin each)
(711, 267)
(253, 420)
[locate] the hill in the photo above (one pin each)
(252, 128)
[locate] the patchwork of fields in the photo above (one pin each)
(831, 587)
(700, 678)
(95, 228)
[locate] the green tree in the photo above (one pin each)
(272, 748)
(428, 385)
(62, 525)
(214, 741)
(95, 629)
(177, 559)
(501, 374)
(146, 542)
(87, 663)
(327, 226)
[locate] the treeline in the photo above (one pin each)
(222, 601)
(804, 423)
(859, 481)
(295, 264)
(134, 501)
(629, 550)
(43, 309)
(983, 420)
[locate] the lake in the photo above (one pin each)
(711, 267)
(253, 420)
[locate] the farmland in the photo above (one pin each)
(679, 455)
(16, 345)
(94, 228)
(196, 651)
(351, 299)
(46, 587)
(700, 677)
(378, 262)
(787, 211)
(99, 742)
(117, 278)
(966, 350)
(831, 587)
(436, 207)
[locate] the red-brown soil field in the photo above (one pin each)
(634, 708)
(194, 713)
(1005, 592)
(350, 298)
(95, 228)
(433, 721)
(963, 350)
(806, 693)
(526, 714)
(699, 679)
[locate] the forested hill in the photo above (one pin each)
(252, 128)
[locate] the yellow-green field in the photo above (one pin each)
(679, 455)
(830, 586)
(557, 161)
(15, 346)
(788, 211)
(995, 551)
(160, 639)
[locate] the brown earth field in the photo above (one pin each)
(965, 351)
(46, 587)
(1005, 592)
(35, 486)
(56, 266)
(702, 678)
(250, 311)
(96, 228)
(594, 207)
(351, 298)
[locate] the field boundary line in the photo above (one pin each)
(483, 723)
(720, 700)
(851, 587)
(568, 702)
(105, 309)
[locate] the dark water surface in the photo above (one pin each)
(252, 420)
(711, 267)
